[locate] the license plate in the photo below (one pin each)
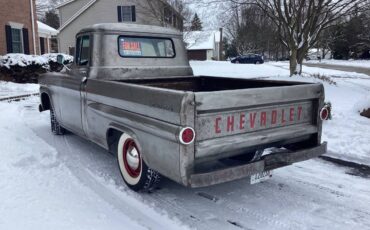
(260, 177)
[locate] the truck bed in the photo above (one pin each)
(210, 84)
(246, 113)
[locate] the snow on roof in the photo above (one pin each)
(201, 40)
(45, 29)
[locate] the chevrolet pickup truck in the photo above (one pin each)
(132, 91)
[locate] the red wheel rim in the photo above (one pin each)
(129, 146)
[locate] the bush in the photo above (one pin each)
(54, 66)
(23, 68)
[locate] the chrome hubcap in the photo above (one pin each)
(133, 159)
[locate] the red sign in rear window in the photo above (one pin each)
(131, 48)
(146, 47)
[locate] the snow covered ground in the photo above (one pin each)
(45, 185)
(355, 63)
(347, 133)
(9, 89)
(65, 182)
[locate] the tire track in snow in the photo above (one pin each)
(125, 202)
(120, 200)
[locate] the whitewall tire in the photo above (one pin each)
(136, 174)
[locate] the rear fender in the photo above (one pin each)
(122, 129)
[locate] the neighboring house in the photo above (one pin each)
(18, 27)
(46, 37)
(203, 45)
(77, 14)
(315, 54)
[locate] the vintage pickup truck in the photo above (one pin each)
(132, 91)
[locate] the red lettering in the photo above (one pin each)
(242, 121)
(263, 119)
(217, 125)
(291, 117)
(230, 123)
(299, 112)
(252, 119)
(274, 117)
(283, 117)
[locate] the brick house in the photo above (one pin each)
(18, 26)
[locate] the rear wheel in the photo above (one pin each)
(56, 128)
(136, 174)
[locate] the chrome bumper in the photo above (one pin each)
(268, 162)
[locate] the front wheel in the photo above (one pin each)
(136, 174)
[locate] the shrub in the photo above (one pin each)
(23, 68)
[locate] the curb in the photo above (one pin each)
(18, 98)
(363, 169)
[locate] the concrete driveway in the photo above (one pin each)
(340, 67)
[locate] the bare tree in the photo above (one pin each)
(300, 22)
(42, 6)
(166, 12)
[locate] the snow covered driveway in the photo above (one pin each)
(65, 182)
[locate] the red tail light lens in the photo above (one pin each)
(324, 114)
(187, 136)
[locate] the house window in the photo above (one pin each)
(126, 13)
(17, 43)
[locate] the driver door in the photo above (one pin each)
(73, 87)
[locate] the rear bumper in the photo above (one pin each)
(268, 162)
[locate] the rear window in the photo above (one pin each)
(146, 47)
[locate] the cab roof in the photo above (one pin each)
(129, 27)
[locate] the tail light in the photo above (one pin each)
(324, 113)
(187, 136)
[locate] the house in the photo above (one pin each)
(203, 45)
(77, 14)
(46, 36)
(18, 27)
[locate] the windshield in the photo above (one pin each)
(146, 47)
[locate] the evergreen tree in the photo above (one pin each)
(196, 24)
(51, 19)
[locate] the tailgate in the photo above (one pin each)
(230, 121)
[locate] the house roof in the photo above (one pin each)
(129, 27)
(201, 40)
(45, 29)
(64, 3)
(77, 14)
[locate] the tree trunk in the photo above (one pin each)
(293, 62)
(300, 66)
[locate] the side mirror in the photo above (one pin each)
(60, 59)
